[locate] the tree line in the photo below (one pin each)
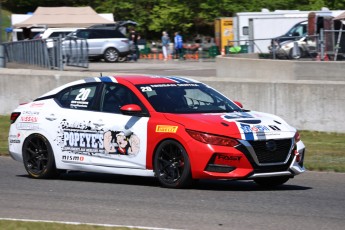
(188, 17)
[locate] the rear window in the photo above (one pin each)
(78, 97)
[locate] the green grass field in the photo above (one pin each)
(28, 225)
(324, 151)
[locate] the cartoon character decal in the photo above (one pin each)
(121, 142)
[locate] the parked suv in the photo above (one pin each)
(104, 43)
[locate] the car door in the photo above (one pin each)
(93, 132)
(124, 136)
(96, 41)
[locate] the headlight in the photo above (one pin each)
(212, 139)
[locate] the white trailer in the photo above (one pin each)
(242, 30)
(262, 30)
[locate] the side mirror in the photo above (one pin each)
(239, 104)
(131, 109)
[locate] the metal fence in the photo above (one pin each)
(52, 53)
(328, 45)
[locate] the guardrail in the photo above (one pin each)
(52, 53)
(32, 52)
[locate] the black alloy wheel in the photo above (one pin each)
(172, 165)
(38, 157)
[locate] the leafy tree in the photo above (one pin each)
(188, 17)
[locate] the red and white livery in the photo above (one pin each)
(173, 128)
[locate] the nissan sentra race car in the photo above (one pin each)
(173, 128)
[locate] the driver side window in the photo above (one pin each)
(115, 96)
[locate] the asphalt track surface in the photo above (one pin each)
(312, 200)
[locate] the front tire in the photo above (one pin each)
(111, 55)
(298, 56)
(271, 181)
(172, 165)
(38, 157)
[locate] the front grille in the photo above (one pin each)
(272, 151)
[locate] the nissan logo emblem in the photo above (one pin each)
(271, 146)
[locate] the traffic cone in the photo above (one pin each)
(223, 52)
(326, 58)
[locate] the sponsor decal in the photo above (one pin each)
(37, 104)
(32, 113)
(166, 129)
(168, 85)
(254, 128)
(83, 141)
(14, 141)
(83, 138)
(258, 128)
(27, 126)
(228, 158)
(79, 104)
(73, 158)
(231, 116)
(32, 119)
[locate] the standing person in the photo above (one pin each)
(133, 41)
(165, 45)
(178, 45)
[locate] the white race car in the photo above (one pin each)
(174, 128)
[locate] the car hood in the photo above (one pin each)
(241, 125)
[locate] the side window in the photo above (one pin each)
(94, 34)
(78, 97)
(83, 34)
(115, 96)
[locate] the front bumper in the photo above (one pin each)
(244, 161)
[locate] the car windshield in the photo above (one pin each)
(186, 98)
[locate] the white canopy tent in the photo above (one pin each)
(63, 17)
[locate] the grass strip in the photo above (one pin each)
(33, 225)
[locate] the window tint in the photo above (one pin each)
(115, 96)
(83, 34)
(78, 97)
(99, 33)
(57, 34)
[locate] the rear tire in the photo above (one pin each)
(38, 157)
(172, 165)
(271, 181)
(111, 55)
